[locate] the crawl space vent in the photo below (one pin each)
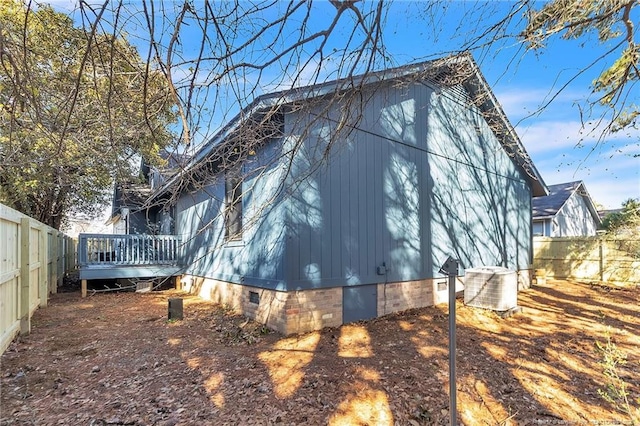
(491, 287)
(144, 286)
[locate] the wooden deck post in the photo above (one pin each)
(84, 288)
(25, 275)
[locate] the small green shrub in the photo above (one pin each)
(616, 391)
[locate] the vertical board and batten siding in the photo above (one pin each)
(418, 178)
(366, 196)
(200, 225)
(257, 258)
(33, 259)
(480, 201)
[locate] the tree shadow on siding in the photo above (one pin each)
(481, 201)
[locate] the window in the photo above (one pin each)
(538, 228)
(233, 201)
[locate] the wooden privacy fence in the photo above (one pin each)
(601, 258)
(33, 260)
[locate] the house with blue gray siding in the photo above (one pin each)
(338, 202)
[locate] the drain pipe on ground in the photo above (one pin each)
(450, 268)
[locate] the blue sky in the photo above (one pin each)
(561, 147)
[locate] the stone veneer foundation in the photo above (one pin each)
(301, 311)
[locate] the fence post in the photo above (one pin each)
(53, 257)
(73, 258)
(69, 255)
(63, 255)
(66, 242)
(42, 258)
(60, 268)
(59, 259)
(25, 275)
(600, 259)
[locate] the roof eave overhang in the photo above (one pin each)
(510, 140)
(513, 146)
(589, 202)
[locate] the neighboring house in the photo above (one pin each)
(302, 234)
(604, 213)
(568, 211)
(157, 176)
(132, 212)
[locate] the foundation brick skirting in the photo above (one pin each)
(287, 312)
(307, 310)
(400, 296)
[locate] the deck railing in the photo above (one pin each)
(125, 250)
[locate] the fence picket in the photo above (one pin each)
(607, 259)
(33, 260)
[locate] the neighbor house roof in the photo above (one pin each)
(128, 195)
(605, 213)
(457, 71)
(548, 206)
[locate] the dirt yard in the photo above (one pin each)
(115, 359)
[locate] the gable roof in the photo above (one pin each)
(548, 206)
(459, 72)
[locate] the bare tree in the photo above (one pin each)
(217, 58)
(221, 57)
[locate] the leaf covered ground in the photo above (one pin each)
(115, 359)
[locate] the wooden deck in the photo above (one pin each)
(113, 256)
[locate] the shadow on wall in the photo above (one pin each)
(199, 224)
(480, 200)
(418, 177)
(411, 180)
(256, 258)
